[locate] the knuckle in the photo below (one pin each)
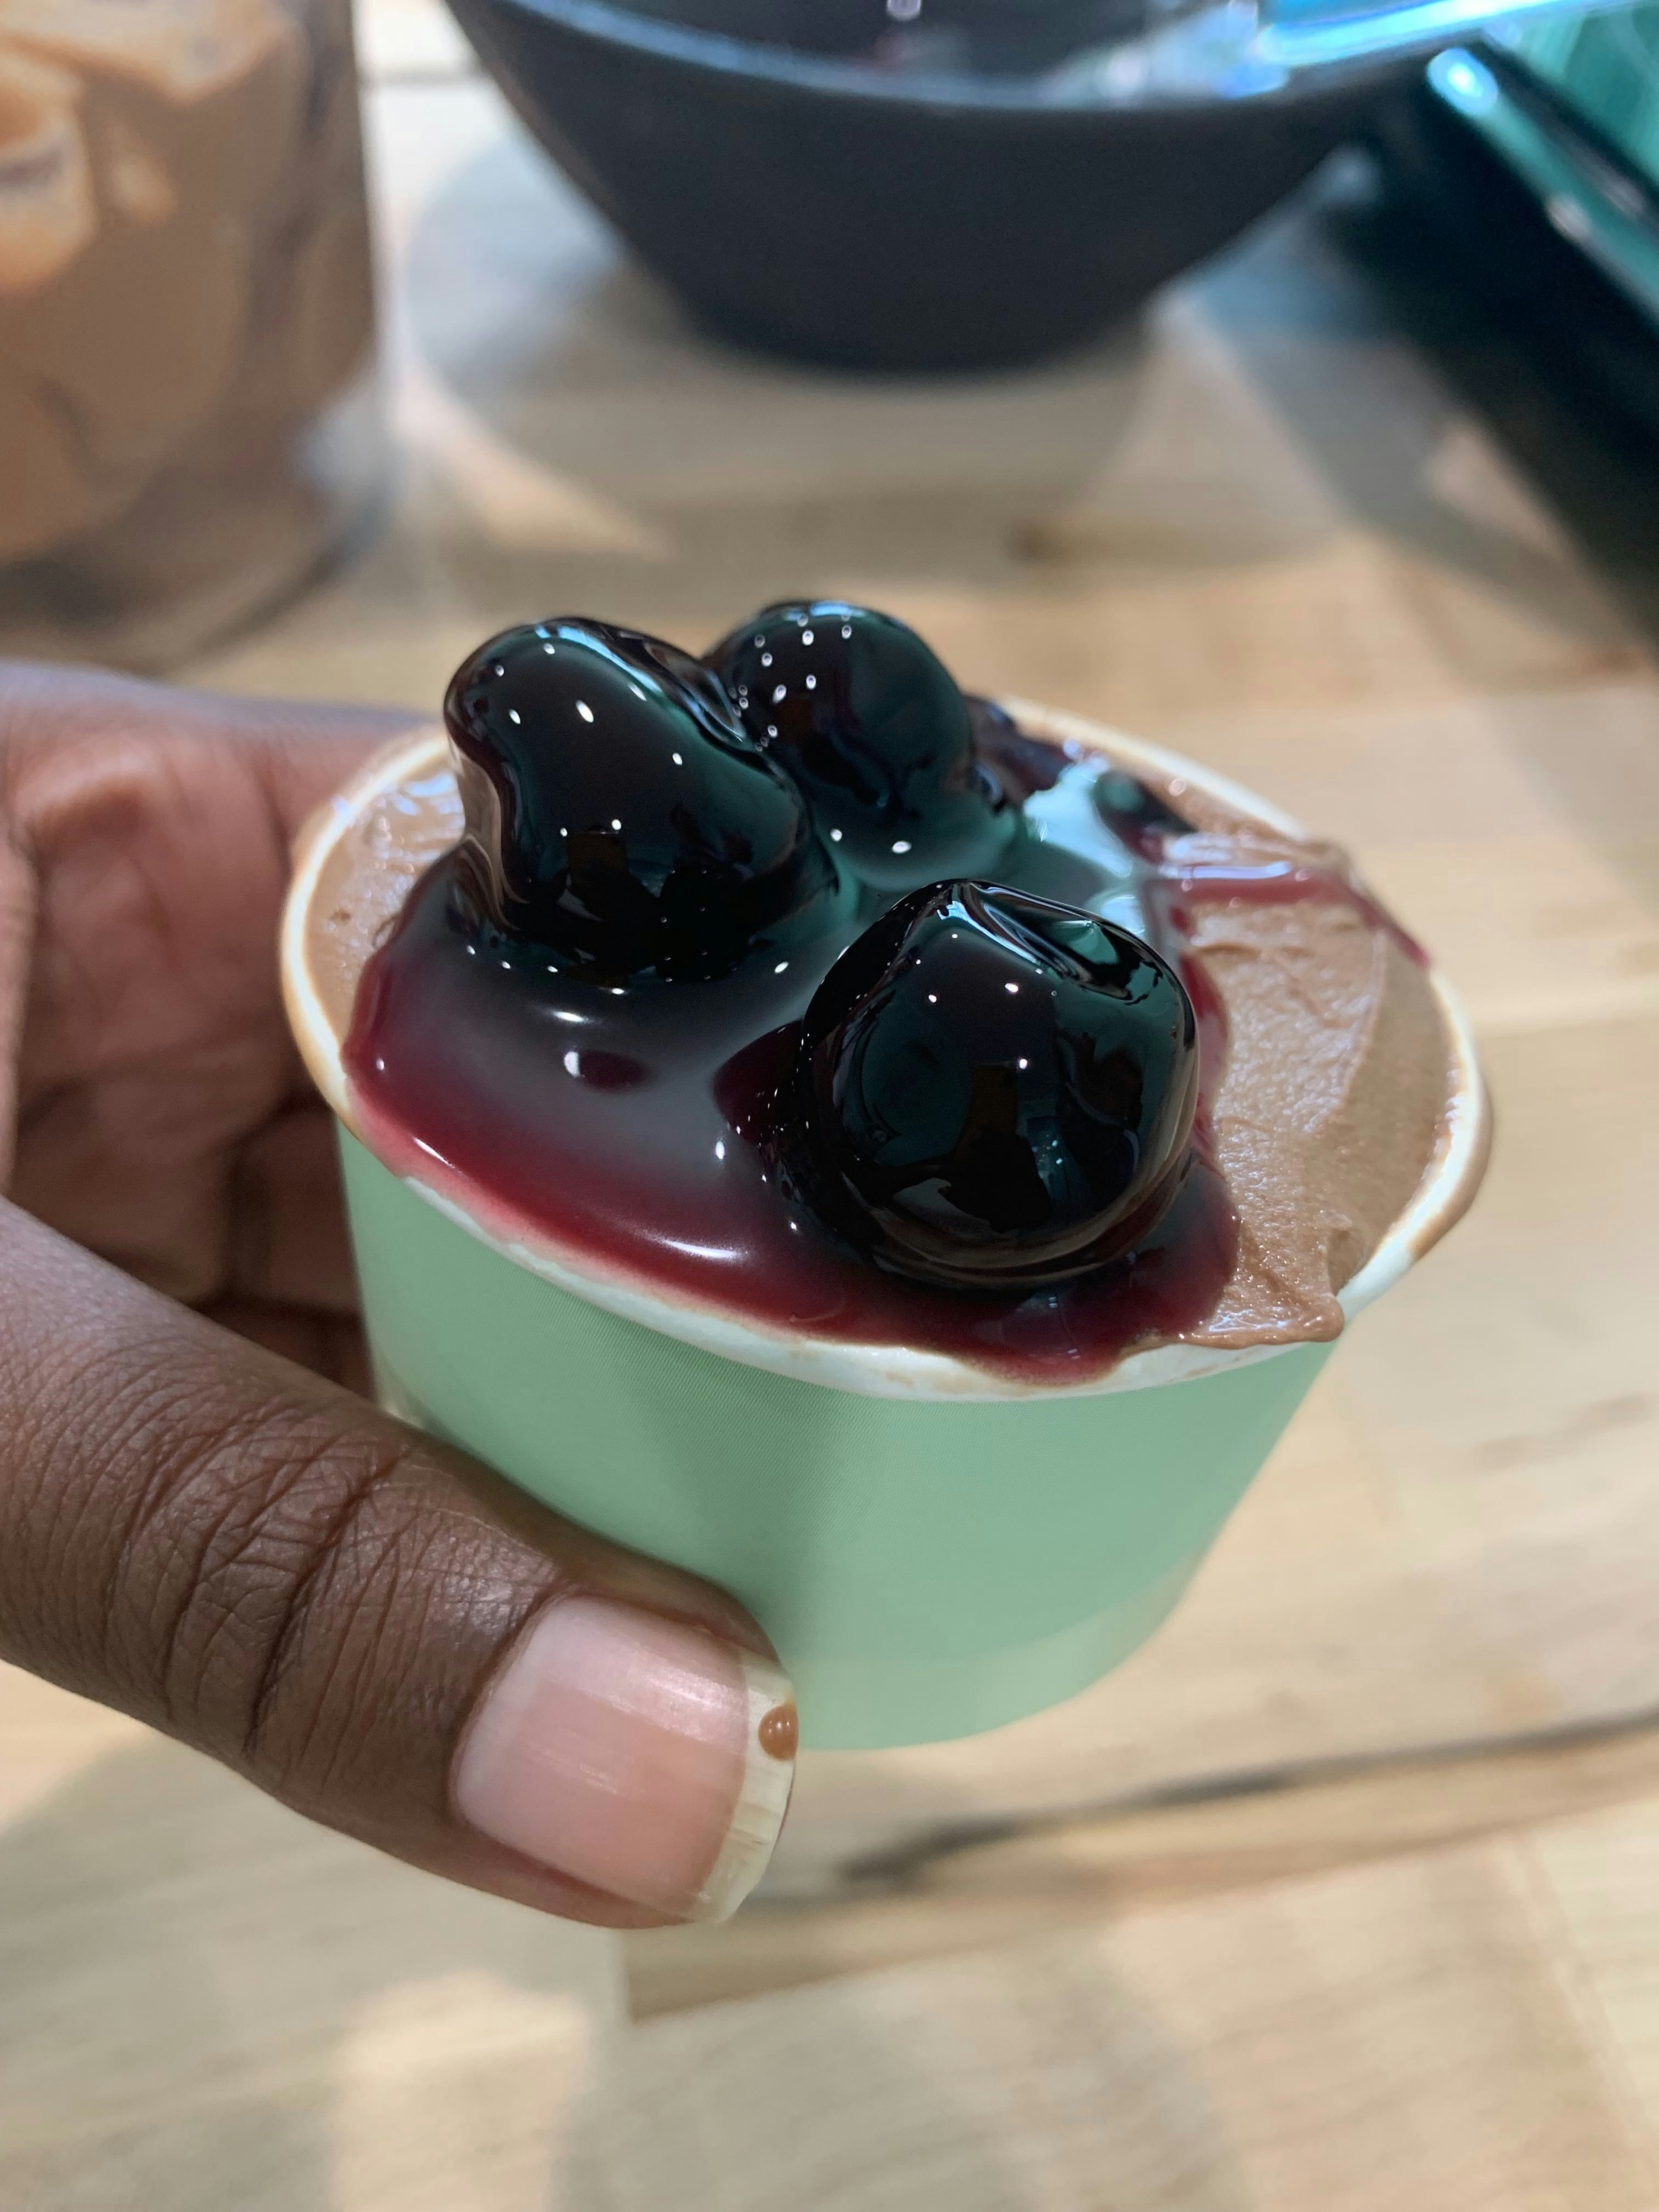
(267, 1550)
(345, 1636)
(302, 1590)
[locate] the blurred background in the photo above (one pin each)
(1239, 382)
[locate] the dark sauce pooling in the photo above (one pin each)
(589, 1017)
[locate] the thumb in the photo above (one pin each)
(370, 1626)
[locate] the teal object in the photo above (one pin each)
(1604, 67)
(1584, 199)
(925, 1567)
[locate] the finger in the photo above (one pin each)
(144, 838)
(59, 720)
(369, 1627)
(330, 1345)
(16, 936)
(289, 1243)
(153, 826)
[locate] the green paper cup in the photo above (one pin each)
(933, 1550)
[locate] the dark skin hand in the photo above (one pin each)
(201, 1520)
(160, 1117)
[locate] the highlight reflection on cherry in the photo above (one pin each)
(618, 814)
(870, 723)
(996, 1089)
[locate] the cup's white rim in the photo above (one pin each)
(880, 1371)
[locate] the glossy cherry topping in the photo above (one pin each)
(646, 1012)
(871, 725)
(618, 816)
(996, 1091)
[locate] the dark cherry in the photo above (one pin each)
(869, 723)
(618, 815)
(995, 1090)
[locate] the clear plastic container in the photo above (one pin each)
(188, 425)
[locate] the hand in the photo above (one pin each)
(234, 1547)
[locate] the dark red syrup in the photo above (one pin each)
(635, 1130)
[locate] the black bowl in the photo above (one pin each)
(836, 211)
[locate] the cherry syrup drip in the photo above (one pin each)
(638, 1130)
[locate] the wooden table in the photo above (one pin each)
(1343, 1894)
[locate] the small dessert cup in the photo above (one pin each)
(933, 1549)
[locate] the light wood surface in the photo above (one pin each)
(1324, 1901)
(932, 1895)
(1447, 2031)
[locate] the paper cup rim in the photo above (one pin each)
(1448, 1182)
